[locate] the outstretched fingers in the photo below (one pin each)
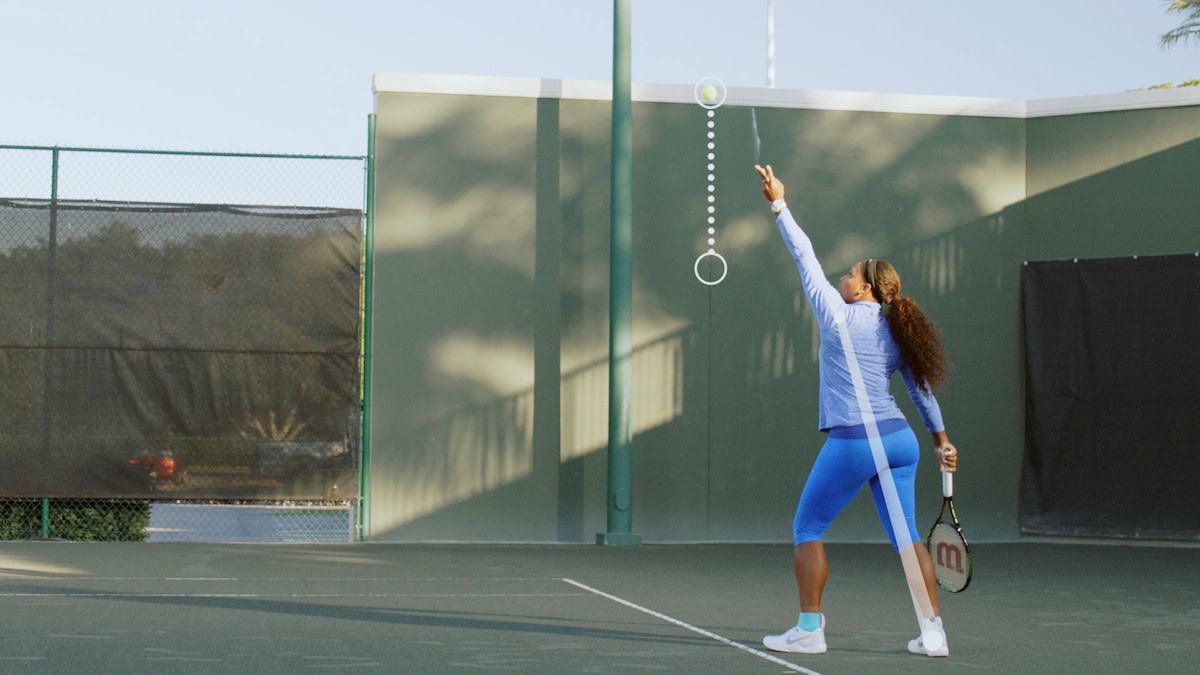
(772, 186)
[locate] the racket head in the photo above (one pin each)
(951, 556)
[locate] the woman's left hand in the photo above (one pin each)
(772, 187)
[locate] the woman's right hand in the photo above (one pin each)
(946, 452)
(948, 457)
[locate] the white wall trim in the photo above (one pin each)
(1129, 100)
(591, 90)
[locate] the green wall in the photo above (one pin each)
(1114, 184)
(489, 374)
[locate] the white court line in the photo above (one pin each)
(70, 577)
(290, 595)
(694, 629)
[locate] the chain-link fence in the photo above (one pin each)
(179, 334)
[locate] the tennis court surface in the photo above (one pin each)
(251, 608)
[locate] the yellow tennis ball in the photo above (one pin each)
(708, 93)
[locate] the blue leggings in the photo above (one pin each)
(843, 465)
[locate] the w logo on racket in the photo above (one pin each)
(949, 556)
(947, 546)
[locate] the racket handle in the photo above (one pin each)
(947, 484)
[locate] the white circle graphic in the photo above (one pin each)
(707, 86)
(724, 268)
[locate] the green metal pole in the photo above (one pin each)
(364, 472)
(620, 341)
(45, 517)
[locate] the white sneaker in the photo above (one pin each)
(798, 641)
(932, 641)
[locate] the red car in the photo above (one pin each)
(161, 466)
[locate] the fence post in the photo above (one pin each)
(364, 463)
(51, 284)
(45, 517)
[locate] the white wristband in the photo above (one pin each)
(778, 205)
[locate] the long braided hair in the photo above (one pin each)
(918, 338)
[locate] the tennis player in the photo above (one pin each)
(868, 332)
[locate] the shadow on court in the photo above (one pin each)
(242, 608)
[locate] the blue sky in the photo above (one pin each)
(295, 77)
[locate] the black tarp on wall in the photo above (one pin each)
(1112, 397)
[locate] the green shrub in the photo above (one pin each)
(76, 519)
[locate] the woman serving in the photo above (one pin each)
(868, 331)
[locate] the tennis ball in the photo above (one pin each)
(708, 93)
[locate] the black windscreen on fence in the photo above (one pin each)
(182, 350)
(1112, 390)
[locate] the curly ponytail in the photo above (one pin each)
(915, 334)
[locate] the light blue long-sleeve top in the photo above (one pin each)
(878, 355)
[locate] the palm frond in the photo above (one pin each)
(1189, 29)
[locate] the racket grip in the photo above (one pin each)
(947, 484)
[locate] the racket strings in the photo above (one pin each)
(951, 557)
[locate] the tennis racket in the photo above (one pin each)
(947, 546)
